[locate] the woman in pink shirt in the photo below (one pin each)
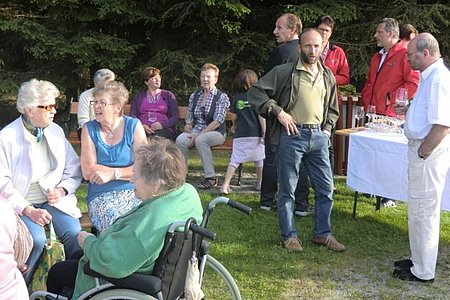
(12, 284)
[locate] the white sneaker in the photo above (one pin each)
(302, 213)
(266, 208)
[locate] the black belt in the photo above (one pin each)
(312, 126)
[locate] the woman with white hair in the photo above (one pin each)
(40, 171)
(85, 110)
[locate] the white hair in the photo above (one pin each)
(34, 92)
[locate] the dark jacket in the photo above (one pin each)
(284, 53)
(278, 90)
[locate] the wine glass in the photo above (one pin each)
(152, 117)
(401, 99)
(358, 114)
(371, 112)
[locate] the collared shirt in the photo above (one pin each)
(383, 54)
(431, 105)
(200, 114)
(308, 109)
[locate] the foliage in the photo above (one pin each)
(67, 41)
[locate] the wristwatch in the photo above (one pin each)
(117, 173)
(420, 154)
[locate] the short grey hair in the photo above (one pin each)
(118, 92)
(34, 92)
(102, 76)
(391, 25)
(430, 43)
(161, 162)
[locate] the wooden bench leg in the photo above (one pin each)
(355, 200)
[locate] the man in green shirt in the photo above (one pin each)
(301, 96)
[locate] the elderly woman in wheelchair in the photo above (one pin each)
(134, 241)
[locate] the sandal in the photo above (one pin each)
(207, 183)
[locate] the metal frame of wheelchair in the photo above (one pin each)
(161, 285)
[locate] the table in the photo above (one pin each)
(378, 165)
(341, 149)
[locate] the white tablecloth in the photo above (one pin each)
(378, 165)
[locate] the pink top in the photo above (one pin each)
(12, 284)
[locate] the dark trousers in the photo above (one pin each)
(269, 185)
(61, 277)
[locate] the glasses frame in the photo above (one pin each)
(49, 107)
(99, 103)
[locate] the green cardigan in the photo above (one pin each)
(133, 242)
(278, 90)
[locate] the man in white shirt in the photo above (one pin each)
(427, 129)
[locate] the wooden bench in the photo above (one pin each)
(226, 146)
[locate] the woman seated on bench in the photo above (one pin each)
(132, 244)
(205, 123)
(156, 108)
(107, 145)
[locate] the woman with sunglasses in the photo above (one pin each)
(107, 145)
(40, 171)
(205, 123)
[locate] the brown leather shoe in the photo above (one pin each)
(292, 244)
(331, 243)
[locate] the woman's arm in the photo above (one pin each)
(172, 107)
(92, 171)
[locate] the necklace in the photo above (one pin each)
(110, 134)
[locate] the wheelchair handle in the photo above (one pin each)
(242, 207)
(202, 231)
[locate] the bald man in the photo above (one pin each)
(427, 129)
(301, 98)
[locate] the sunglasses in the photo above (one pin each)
(48, 107)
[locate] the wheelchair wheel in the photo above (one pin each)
(122, 294)
(217, 282)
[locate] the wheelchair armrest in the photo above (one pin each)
(147, 284)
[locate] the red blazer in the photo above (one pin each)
(396, 72)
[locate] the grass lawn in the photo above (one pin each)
(249, 247)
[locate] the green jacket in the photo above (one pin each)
(278, 90)
(133, 242)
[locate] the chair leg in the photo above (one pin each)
(239, 175)
(354, 204)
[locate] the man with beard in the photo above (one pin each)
(301, 96)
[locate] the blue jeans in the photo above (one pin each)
(66, 228)
(309, 146)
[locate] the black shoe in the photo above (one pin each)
(403, 264)
(405, 274)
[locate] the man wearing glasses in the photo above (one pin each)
(427, 129)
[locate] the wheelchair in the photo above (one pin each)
(169, 274)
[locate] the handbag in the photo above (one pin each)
(53, 253)
(23, 242)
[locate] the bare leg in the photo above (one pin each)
(225, 189)
(259, 171)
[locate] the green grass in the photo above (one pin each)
(249, 247)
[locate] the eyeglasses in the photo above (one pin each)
(100, 103)
(48, 107)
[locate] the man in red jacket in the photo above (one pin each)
(388, 71)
